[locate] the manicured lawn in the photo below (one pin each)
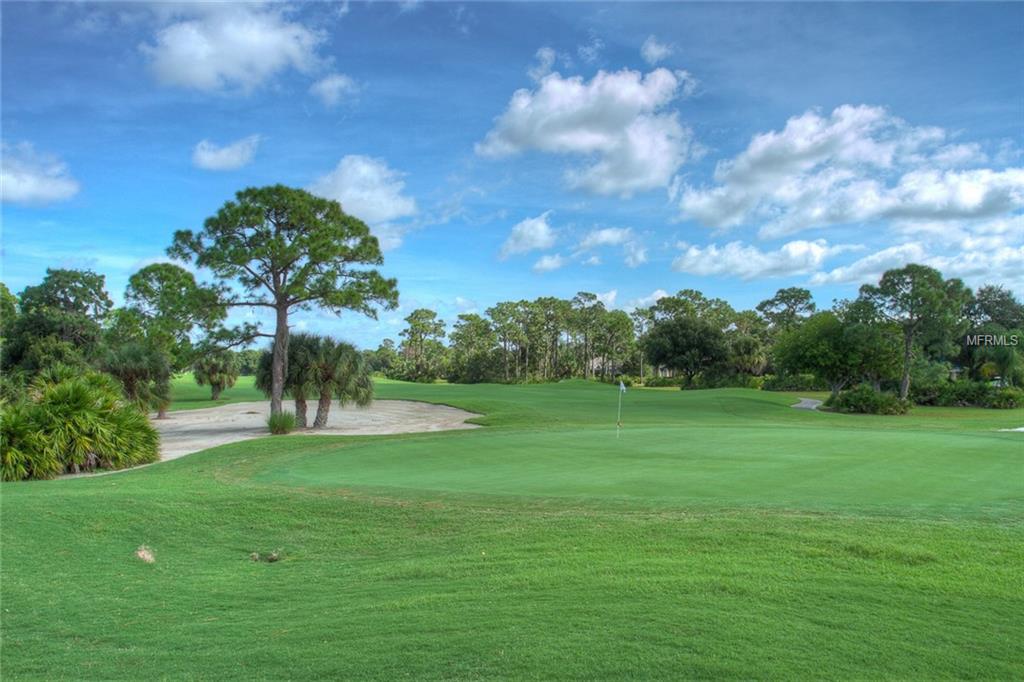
(723, 534)
(187, 395)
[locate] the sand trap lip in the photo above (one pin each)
(807, 404)
(188, 431)
(1019, 429)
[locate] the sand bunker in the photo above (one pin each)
(188, 431)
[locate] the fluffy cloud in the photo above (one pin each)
(616, 117)
(31, 177)
(532, 234)
(549, 263)
(590, 51)
(608, 236)
(749, 262)
(836, 169)
(608, 298)
(230, 46)
(330, 89)
(653, 52)
(647, 301)
(545, 58)
(371, 191)
(636, 254)
(209, 156)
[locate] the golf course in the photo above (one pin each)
(720, 534)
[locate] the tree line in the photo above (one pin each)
(909, 330)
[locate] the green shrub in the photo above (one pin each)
(1006, 399)
(792, 382)
(964, 394)
(73, 424)
(865, 400)
(661, 382)
(280, 424)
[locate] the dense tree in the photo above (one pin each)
(8, 309)
(216, 369)
(686, 344)
(422, 352)
(747, 354)
(288, 250)
(385, 358)
(67, 307)
(786, 308)
(298, 379)
(839, 354)
(923, 305)
(169, 305)
(995, 304)
(473, 344)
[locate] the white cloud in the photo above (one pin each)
(608, 236)
(465, 305)
(749, 262)
(371, 191)
(209, 156)
(837, 169)
(608, 298)
(636, 254)
(616, 117)
(592, 260)
(545, 57)
(647, 301)
(331, 88)
(591, 50)
(549, 263)
(216, 46)
(532, 234)
(653, 52)
(33, 178)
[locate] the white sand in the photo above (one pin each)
(807, 404)
(1019, 428)
(188, 431)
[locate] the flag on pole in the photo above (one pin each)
(618, 419)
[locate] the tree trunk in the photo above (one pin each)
(300, 413)
(279, 361)
(908, 350)
(323, 409)
(215, 390)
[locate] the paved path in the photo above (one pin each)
(807, 404)
(188, 431)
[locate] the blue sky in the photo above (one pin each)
(505, 151)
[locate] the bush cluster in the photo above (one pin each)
(967, 394)
(864, 399)
(282, 423)
(792, 382)
(71, 424)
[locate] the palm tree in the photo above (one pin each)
(297, 377)
(339, 371)
(219, 370)
(144, 372)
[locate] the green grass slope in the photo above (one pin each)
(722, 535)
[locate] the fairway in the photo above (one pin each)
(723, 534)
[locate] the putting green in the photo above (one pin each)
(721, 448)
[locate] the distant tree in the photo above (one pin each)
(786, 308)
(218, 370)
(421, 350)
(473, 343)
(917, 299)
(997, 305)
(747, 354)
(248, 360)
(385, 358)
(686, 344)
(288, 250)
(79, 292)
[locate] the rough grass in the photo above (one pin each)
(733, 537)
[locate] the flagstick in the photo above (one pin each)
(618, 421)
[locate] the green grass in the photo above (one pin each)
(187, 395)
(722, 535)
